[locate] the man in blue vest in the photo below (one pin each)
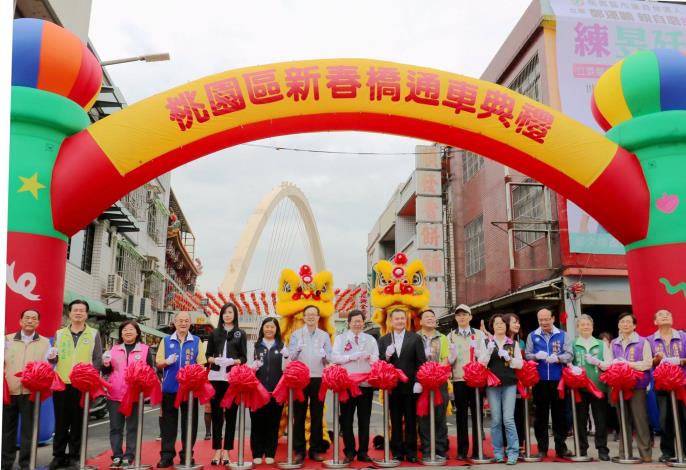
(552, 349)
(177, 350)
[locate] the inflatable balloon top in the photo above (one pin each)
(299, 290)
(399, 285)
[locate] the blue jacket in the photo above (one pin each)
(554, 345)
(187, 354)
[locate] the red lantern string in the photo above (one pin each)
(340, 298)
(577, 382)
(527, 377)
(244, 387)
(476, 375)
(337, 379)
(431, 375)
(274, 299)
(193, 378)
(39, 376)
(384, 376)
(263, 297)
(85, 378)
(245, 303)
(253, 297)
(222, 297)
(670, 378)
(140, 377)
(621, 376)
(296, 376)
(235, 301)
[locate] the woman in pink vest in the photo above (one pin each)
(115, 361)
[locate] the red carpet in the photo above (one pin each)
(203, 454)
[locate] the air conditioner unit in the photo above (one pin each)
(150, 264)
(115, 286)
(146, 307)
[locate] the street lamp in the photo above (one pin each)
(146, 58)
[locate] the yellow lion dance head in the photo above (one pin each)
(399, 285)
(300, 290)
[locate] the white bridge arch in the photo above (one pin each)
(245, 248)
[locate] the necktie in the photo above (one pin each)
(357, 339)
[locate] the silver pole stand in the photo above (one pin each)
(137, 465)
(34, 431)
(188, 458)
(289, 464)
(527, 434)
(241, 464)
(84, 433)
(679, 461)
(626, 457)
(387, 462)
(432, 461)
(335, 463)
(480, 438)
(577, 457)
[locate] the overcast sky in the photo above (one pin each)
(347, 193)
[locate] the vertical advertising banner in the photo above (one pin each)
(591, 36)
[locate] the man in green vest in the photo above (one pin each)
(593, 355)
(75, 343)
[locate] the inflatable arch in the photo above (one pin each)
(243, 253)
(64, 172)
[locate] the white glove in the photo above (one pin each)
(576, 370)
(365, 356)
(285, 352)
(504, 354)
(52, 353)
(552, 359)
(106, 358)
(490, 347)
(390, 350)
(299, 347)
(618, 360)
(541, 355)
(671, 360)
(171, 359)
(594, 361)
(224, 361)
(417, 388)
(256, 364)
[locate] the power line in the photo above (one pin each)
(334, 152)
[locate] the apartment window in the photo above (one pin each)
(528, 206)
(528, 81)
(80, 248)
(161, 318)
(135, 202)
(474, 246)
(129, 265)
(153, 289)
(471, 164)
(158, 216)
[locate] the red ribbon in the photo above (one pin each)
(621, 376)
(39, 376)
(296, 376)
(86, 378)
(193, 378)
(140, 377)
(431, 375)
(244, 387)
(5, 392)
(527, 377)
(477, 375)
(670, 378)
(577, 382)
(385, 376)
(337, 379)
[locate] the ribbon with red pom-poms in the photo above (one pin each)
(296, 376)
(577, 382)
(245, 388)
(621, 376)
(477, 375)
(86, 378)
(193, 378)
(39, 376)
(140, 377)
(431, 375)
(385, 376)
(337, 379)
(527, 377)
(670, 378)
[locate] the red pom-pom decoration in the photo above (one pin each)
(477, 375)
(305, 270)
(244, 387)
(577, 382)
(400, 258)
(39, 376)
(86, 378)
(621, 376)
(193, 378)
(337, 379)
(527, 377)
(431, 375)
(385, 376)
(670, 378)
(140, 377)
(296, 376)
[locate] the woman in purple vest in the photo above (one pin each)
(635, 350)
(128, 350)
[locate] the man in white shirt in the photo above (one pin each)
(356, 351)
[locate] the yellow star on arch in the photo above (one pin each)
(31, 184)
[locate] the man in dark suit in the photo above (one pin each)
(405, 350)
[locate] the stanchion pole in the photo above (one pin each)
(289, 464)
(34, 431)
(387, 462)
(432, 461)
(577, 457)
(625, 457)
(527, 432)
(241, 464)
(679, 461)
(335, 462)
(137, 465)
(188, 458)
(480, 437)
(84, 433)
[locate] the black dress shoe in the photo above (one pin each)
(298, 458)
(541, 455)
(564, 454)
(461, 457)
(604, 457)
(364, 458)
(347, 459)
(412, 459)
(317, 457)
(165, 464)
(665, 458)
